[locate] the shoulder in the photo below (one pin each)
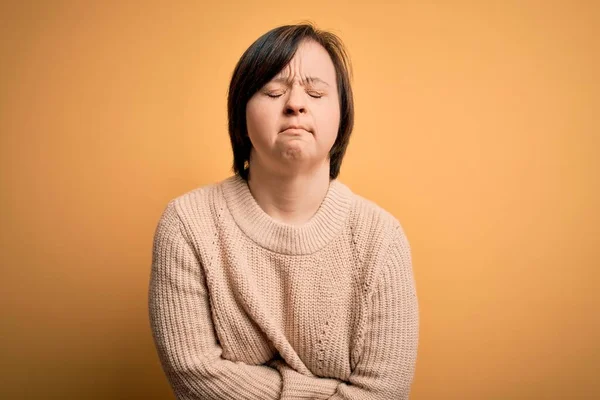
(192, 203)
(192, 210)
(377, 235)
(194, 198)
(369, 219)
(380, 238)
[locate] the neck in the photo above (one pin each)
(291, 199)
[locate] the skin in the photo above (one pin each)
(289, 169)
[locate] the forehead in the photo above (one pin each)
(310, 60)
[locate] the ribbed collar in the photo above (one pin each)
(284, 238)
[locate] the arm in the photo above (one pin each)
(185, 339)
(386, 368)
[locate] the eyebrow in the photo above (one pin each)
(308, 79)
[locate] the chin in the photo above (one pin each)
(294, 155)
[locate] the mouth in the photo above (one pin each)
(295, 131)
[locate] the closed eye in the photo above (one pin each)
(315, 95)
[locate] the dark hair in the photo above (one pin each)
(266, 57)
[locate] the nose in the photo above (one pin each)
(296, 102)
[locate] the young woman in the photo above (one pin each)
(279, 282)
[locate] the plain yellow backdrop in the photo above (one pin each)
(476, 126)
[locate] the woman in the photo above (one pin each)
(279, 282)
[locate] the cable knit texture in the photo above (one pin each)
(245, 307)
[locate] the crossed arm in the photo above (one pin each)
(190, 354)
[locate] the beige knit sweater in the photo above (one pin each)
(245, 307)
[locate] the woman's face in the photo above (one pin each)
(293, 120)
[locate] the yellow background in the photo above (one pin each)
(476, 126)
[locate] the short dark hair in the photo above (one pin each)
(264, 59)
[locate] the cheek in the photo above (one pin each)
(329, 120)
(257, 116)
(251, 114)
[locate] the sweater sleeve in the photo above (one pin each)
(386, 366)
(185, 339)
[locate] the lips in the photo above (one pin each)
(295, 127)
